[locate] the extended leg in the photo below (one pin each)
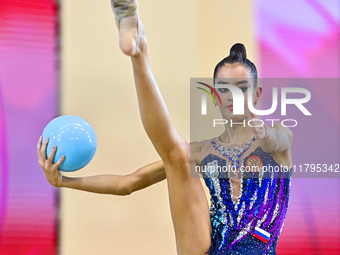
(189, 207)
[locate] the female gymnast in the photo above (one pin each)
(247, 208)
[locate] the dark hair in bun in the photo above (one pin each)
(238, 48)
(238, 54)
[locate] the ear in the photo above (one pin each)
(258, 94)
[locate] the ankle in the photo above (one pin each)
(141, 50)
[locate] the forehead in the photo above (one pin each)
(232, 73)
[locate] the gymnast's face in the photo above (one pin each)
(239, 76)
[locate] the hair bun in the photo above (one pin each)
(238, 48)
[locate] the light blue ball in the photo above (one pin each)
(74, 138)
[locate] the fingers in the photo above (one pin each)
(62, 158)
(255, 122)
(52, 154)
(259, 132)
(39, 143)
(41, 158)
(257, 126)
(47, 164)
(43, 148)
(38, 149)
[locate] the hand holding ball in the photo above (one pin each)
(74, 138)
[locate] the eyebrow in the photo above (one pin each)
(237, 83)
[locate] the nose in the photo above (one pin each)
(229, 97)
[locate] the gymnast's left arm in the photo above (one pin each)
(279, 139)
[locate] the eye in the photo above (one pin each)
(223, 90)
(244, 89)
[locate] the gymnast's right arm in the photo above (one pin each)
(118, 184)
(103, 184)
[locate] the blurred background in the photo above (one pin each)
(62, 57)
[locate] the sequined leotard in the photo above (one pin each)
(262, 199)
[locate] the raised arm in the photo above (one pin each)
(280, 139)
(276, 139)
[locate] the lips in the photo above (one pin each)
(230, 107)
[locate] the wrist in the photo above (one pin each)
(62, 182)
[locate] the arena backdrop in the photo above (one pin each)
(28, 100)
(296, 38)
(300, 39)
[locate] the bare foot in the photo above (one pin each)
(130, 27)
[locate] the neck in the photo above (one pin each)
(236, 133)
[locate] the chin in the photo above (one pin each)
(234, 118)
